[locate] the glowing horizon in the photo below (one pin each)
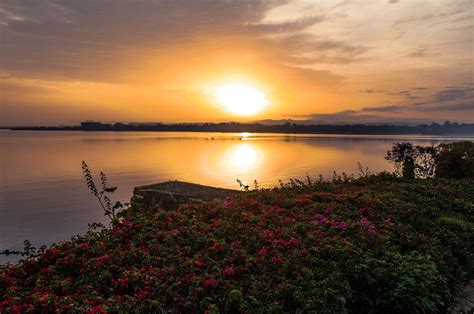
(326, 61)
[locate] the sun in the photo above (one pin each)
(240, 99)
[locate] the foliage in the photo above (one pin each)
(28, 250)
(376, 244)
(101, 195)
(413, 161)
(455, 160)
(243, 186)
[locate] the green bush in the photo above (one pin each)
(455, 160)
(412, 161)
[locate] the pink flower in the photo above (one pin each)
(323, 220)
(368, 226)
(340, 224)
(371, 230)
(228, 202)
(328, 210)
(365, 222)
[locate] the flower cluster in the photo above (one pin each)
(366, 246)
(368, 226)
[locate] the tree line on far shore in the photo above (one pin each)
(269, 127)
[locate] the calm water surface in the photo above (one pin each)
(43, 197)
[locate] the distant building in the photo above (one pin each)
(94, 126)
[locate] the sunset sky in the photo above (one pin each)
(355, 61)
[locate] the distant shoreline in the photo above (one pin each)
(461, 129)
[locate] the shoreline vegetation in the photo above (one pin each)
(377, 243)
(434, 128)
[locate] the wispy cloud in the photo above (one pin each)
(383, 108)
(284, 27)
(454, 93)
(421, 53)
(387, 57)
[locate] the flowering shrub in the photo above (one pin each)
(374, 244)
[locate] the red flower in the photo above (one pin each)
(145, 250)
(3, 305)
(140, 294)
(199, 263)
(302, 201)
(229, 271)
(97, 310)
(288, 220)
(262, 251)
(292, 242)
(210, 283)
(267, 234)
(184, 278)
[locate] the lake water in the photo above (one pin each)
(43, 196)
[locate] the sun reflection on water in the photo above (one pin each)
(244, 156)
